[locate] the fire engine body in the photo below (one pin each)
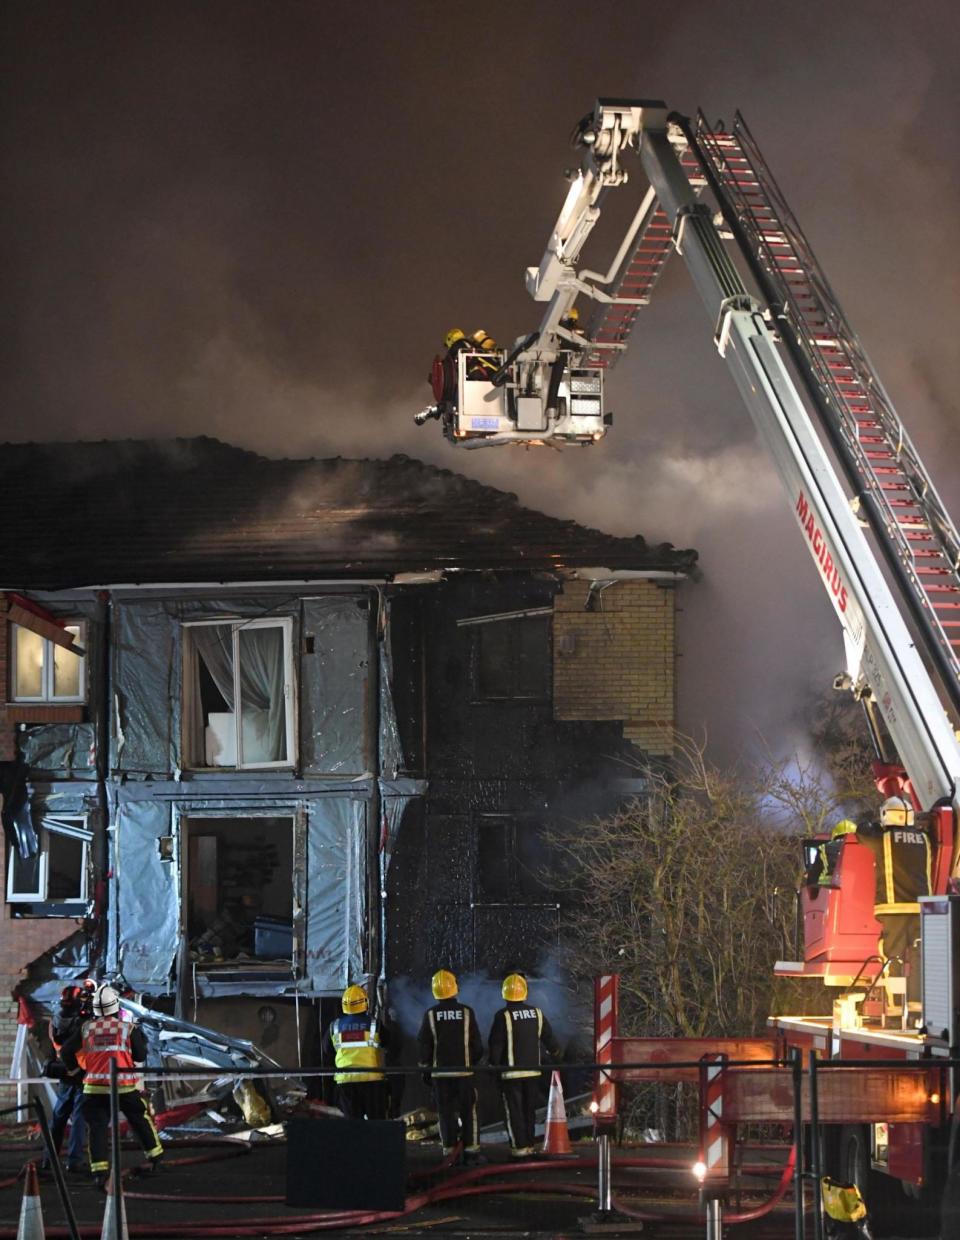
(883, 544)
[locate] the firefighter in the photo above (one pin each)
(455, 342)
(829, 850)
(359, 1042)
(901, 865)
(517, 1033)
(450, 1043)
(105, 1037)
(68, 1108)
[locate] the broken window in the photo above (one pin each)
(55, 879)
(512, 659)
(238, 693)
(44, 671)
(237, 876)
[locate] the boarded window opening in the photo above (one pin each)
(512, 660)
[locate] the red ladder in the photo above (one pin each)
(610, 324)
(922, 543)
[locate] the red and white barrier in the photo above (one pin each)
(714, 1131)
(606, 1005)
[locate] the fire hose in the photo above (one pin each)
(467, 1184)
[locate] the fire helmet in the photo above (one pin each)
(106, 1002)
(514, 988)
(452, 336)
(483, 341)
(895, 812)
(846, 826)
(354, 999)
(444, 984)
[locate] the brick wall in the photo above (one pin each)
(617, 660)
(22, 939)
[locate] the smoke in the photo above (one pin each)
(271, 257)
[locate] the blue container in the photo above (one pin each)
(272, 938)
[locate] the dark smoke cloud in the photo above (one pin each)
(255, 221)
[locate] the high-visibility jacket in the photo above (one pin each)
(107, 1038)
(901, 861)
(515, 1038)
(358, 1044)
(449, 1039)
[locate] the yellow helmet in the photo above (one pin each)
(572, 315)
(514, 988)
(444, 984)
(844, 827)
(354, 999)
(452, 336)
(895, 812)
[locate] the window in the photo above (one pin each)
(58, 874)
(238, 694)
(513, 659)
(238, 879)
(509, 859)
(44, 671)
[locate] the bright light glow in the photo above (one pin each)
(594, 1106)
(597, 435)
(699, 1170)
(934, 1098)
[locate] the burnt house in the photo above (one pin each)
(273, 726)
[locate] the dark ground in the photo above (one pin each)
(240, 1178)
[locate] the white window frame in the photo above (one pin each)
(192, 746)
(47, 696)
(73, 825)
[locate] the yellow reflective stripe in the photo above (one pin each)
(105, 1089)
(882, 910)
(521, 1072)
(926, 844)
(433, 1030)
(539, 1025)
(888, 865)
(508, 1021)
(466, 1035)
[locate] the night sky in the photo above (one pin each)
(256, 220)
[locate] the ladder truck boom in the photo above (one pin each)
(888, 487)
(884, 547)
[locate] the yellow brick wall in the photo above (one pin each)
(623, 661)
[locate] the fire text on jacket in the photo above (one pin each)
(831, 573)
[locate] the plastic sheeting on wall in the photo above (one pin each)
(334, 723)
(60, 747)
(147, 902)
(335, 891)
(146, 703)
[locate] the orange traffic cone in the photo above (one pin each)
(31, 1216)
(556, 1138)
(114, 1203)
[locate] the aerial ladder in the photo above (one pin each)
(884, 546)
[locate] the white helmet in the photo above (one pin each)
(106, 1002)
(896, 812)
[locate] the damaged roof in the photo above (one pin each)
(197, 510)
